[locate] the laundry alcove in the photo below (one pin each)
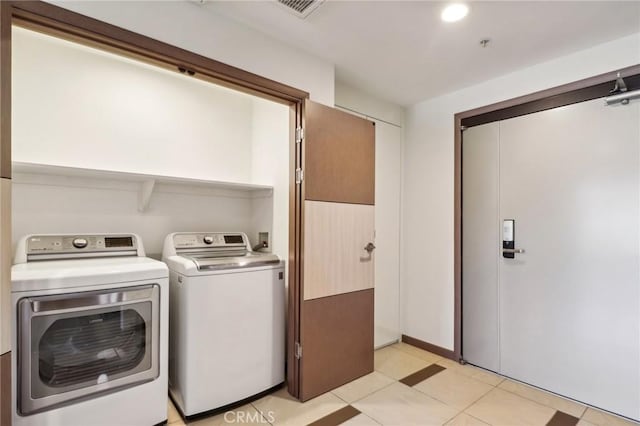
(104, 143)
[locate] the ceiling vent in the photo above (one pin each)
(301, 8)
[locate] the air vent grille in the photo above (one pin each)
(301, 8)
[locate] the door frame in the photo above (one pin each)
(579, 91)
(64, 24)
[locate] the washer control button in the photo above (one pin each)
(208, 239)
(80, 243)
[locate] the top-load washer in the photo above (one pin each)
(90, 321)
(227, 331)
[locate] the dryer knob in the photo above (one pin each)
(80, 243)
(208, 239)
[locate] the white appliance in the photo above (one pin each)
(90, 328)
(227, 332)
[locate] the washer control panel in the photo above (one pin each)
(54, 244)
(208, 240)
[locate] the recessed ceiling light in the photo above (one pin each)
(454, 12)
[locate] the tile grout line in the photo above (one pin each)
(385, 375)
(438, 357)
(375, 391)
(453, 370)
(586, 407)
(529, 399)
(478, 419)
(261, 413)
(369, 417)
(411, 355)
(475, 402)
(417, 348)
(545, 405)
(463, 410)
(455, 415)
(607, 413)
(338, 396)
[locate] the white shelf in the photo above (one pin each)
(145, 184)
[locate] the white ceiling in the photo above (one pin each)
(402, 52)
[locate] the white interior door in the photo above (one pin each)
(568, 308)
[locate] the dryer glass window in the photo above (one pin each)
(85, 343)
(91, 348)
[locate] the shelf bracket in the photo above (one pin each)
(146, 189)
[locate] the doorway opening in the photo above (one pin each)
(62, 24)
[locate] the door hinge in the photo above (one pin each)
(299, 175)
(299, 134)
(463, 128)
(298, 350)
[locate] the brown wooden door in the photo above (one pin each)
(335, 297)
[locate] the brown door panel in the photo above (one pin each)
(335, 295)
(337, 341)
(339, 153)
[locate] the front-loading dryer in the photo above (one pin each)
(90, 322)
(227, 332)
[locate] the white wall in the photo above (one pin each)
(428, 287)
(97, 110)
(270, 166)
(356, 100)
(50, 205)
(194, 27)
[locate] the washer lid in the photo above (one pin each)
(60, 274)
(240, 260)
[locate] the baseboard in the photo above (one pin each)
(438, 350)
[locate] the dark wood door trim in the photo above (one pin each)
(572, 93)
(567, 94)
(296, 207)
(5, 90)
(62, 23)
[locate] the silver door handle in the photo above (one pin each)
(516, 251)
(370, 247)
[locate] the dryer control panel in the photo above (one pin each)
(45, 247)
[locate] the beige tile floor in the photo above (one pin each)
(456, 396)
